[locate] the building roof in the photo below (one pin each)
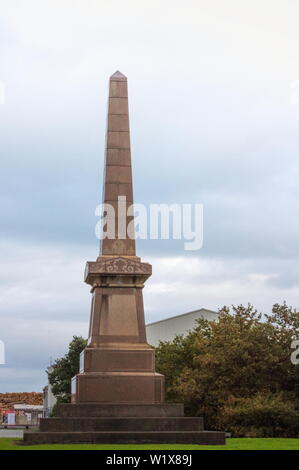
(28, 407)
(182, 315)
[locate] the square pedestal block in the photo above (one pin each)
(117, 360)
(117, 410)
(118, 387)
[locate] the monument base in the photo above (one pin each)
(118, 375)
(118, 387)
(122, 424)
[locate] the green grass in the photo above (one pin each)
(232, 444)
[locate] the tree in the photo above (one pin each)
(65, 368)
(240, 356)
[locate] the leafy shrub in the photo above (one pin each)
(263, 415)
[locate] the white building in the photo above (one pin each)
(28, 414)
(166, 330)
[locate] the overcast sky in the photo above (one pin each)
(214, 114)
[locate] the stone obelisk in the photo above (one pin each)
(118, 397)
(118, 366)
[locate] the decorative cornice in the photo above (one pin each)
(117, 266)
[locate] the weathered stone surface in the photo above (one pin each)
(131, 410)
(113, 190)
(118, 89)
(117, 157)
(118, 174)
(118, 140)
(122, 424)
(118, 387)
(118, 247)
(118, 123)
(118, 76)
(118, 360)
(119, 265)
(118, 106)
(126, 437)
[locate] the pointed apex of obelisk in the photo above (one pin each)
(118, 76)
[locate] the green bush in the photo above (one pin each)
(263, 415)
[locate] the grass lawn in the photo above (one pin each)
(232, 444)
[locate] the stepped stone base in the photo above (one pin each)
(122, 424)
(125, 437)
(119, 410)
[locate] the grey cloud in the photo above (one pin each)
(44, 301)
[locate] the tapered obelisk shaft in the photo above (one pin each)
(118, 171)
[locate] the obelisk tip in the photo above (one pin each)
(118, 76)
